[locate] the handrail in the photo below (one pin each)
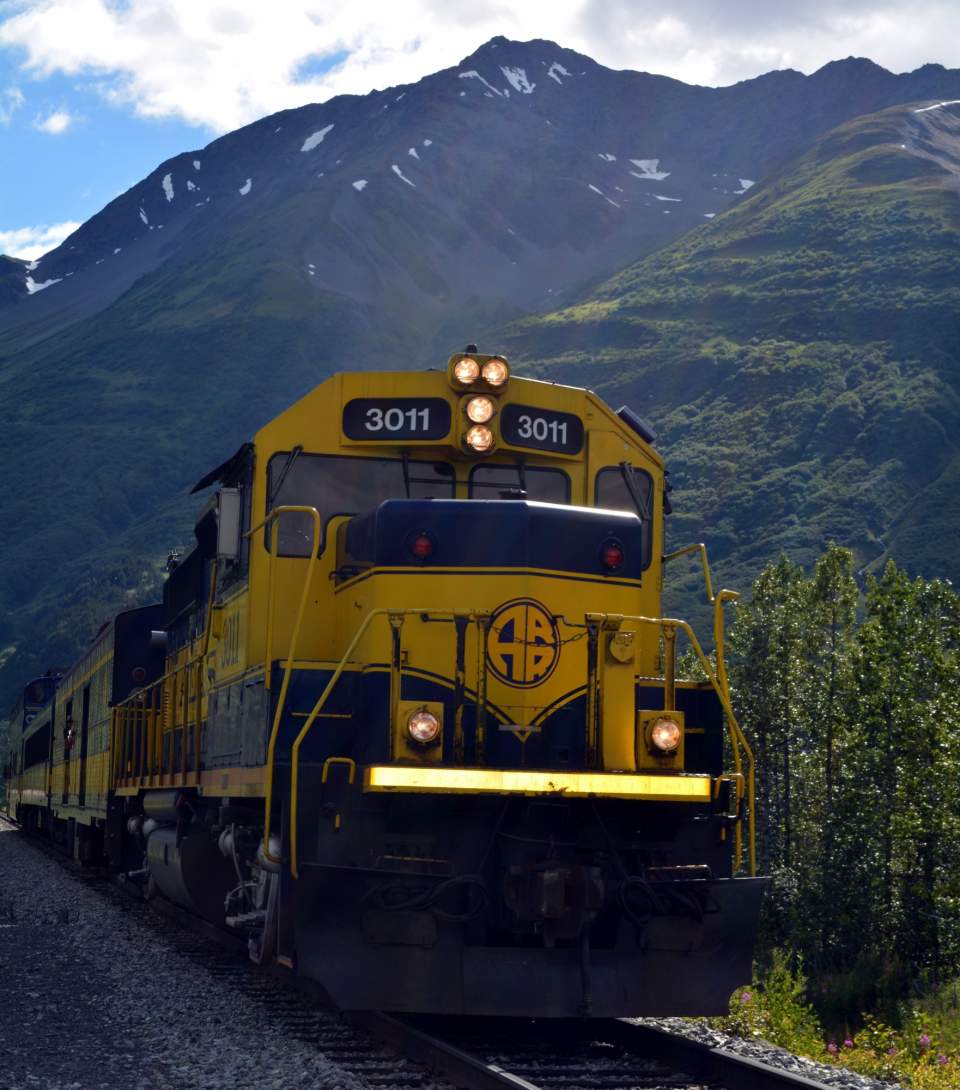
(717, 601)
(737, 736)
(701, 548)
(123, 708)
(393, 614)
(274, 515)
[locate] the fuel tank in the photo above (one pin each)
(192, 874)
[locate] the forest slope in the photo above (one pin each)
(800, 353)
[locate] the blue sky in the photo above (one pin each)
(56, 176)
(94, 94)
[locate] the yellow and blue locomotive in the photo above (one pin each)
(417, 729)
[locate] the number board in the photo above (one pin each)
(387, 419)
(541, 429)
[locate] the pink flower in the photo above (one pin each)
(745, 997)
(832, 1048)
(924, 1042)
(892, 1050)
(941, 1059)
(847, 1042)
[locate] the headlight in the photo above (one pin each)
(665, 735)
(466, 371)
(423, 727)
(480, 409)
(479, 438)
(495, 372)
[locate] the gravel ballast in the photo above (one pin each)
(768, 1054)
(95, 999)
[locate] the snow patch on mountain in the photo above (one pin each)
(413, 152)
(360, 184)
(190, 186)
(649, 170)
(167, 184)
(403, 178)
(246, 187)
(659, 198)
(315, 139)
(473, 74)
(605, 155)
(517, 78)
(33, 287)
(143, 216)
(555, 71)
(745, 183)
(427, 143)
(196, 164)
(938, 106)
(602, 194)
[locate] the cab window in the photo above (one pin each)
(344, 486)
(494, 482)
(613, 490)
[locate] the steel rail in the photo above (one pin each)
(733, 1071)
(442, 1058)
(682, 1054)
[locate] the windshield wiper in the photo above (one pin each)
(639, 501)
(291, 458)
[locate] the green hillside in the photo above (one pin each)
(799, 355)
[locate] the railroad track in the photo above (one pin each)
(472, 1054)
(609, 1054)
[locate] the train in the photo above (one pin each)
(408, 717)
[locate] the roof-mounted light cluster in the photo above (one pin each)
(482, 376)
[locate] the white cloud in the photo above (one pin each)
(10, 101)
(224, 64)
(33, 242)
(56, 123)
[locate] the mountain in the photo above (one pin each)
(376, 230)
(13, 274)
(800, 353)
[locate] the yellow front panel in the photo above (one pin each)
(536, 648)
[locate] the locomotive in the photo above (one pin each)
(408, 716)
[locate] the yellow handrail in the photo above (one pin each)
(123, 717)
(697, 547)
(717, 601)
(737, 736)
(322, 699)
(274, 515)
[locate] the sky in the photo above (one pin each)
(94, 94)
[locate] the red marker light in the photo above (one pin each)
(611, 555)
(139, 674)
(421, 545)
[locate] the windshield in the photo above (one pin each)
(345, 486)
(521, 482)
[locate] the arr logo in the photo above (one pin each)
(523, 644)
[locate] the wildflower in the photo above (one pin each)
(892, 1050)
(745, 997)
(941, 1059)
(924, 1042)
(832, 1048)
(848, 1042)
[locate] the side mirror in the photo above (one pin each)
(229, 518)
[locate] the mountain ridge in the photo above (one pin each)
(531, 184)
